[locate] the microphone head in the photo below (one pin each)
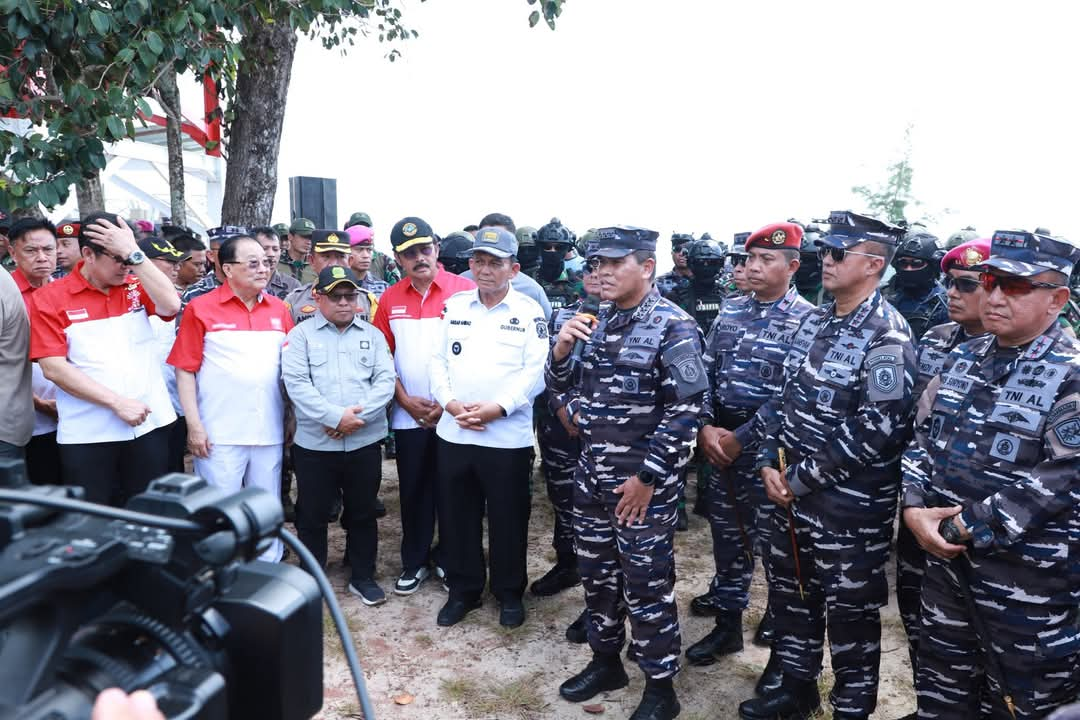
(590, 306)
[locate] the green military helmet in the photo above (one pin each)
(455, 251)
(961, 236)
(586, 244)
(282, 230)
(528, 250)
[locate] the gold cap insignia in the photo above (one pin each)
(408, 229)
(778, 238)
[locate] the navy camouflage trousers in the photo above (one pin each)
(910, 565)
(559, 459)
(629, 570)
(1038, 648)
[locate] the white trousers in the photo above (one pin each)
(232, 467)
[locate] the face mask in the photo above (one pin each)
(551, 266)
(705, 274)
(923, 278)
(528, 257)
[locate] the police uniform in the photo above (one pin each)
(744, 355)
(841, 420)
(1002, 441)
(301, 301)
(641, 391)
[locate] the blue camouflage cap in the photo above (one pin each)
(224, 232)
(621, 240)
(848, 229)
(1021, 253)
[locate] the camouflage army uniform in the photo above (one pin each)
(669, 282)
(384, 267)
(280, 285)
(744, 355)
(301, 304)
(1002, 441)
(841, 418)
(641, 389)
(923, 310)
(566, 290)
(934, 347)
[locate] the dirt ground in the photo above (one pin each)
(478, 670)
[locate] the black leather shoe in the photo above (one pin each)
(705, 606)
(725, 638)
(771, 677)
(601, 674)
(682, 524)
(455, 610)
(657, 705)
(764, 634)
(380, 509)
(795, 700)
(577, 632)
(555, 580)
(511, 613)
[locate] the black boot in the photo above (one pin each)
(706, 606)
(763, 637)
(577, 632)
(604, 672)
(658, 702)
(772, 676)
(794, 700)
(562, 576)
(725, 638)
(682, 524)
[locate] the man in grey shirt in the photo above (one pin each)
(16, 396)
(339, 375)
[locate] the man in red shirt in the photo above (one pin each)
(410, 316)
(90, 332)
(227, 357)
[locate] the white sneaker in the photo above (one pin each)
(410, 582)
(441, 575)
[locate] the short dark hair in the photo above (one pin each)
(86, 222)
(187, 244)
(470, 228)
(265, 230)
(640, 256)
(791, 254)
(499, 219)
(27, 225)
(885, 250)
(227, 252)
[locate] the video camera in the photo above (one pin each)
(165, 596)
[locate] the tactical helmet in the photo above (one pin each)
(455, 251)
(704, 250)
(706, 260)
(680, 239)
(960, 237)
(920, 244)
(808, 276)
(917, 244)
(528, 251)
(554, 233)
(587, 243)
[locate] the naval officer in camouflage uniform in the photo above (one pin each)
(965, 296)
(744, 355)
(841, 420)
(991, 492)
(641, 389)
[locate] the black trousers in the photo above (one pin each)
(417, 467)
(320, 477)
(469, 475)
(113, 472)
(177, 445)
(43, 460)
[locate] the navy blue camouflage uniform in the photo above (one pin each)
(1002, 441)
(744, 356)
(842, 420)
(923, 307)
(641, 391)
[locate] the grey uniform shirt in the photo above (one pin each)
(326, 370)
(16, 397)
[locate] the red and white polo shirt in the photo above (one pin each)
(235, 354)
(108, 337)
(412, 324)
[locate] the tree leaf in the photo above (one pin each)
(534, 17)
(100, 22)
(153, 41)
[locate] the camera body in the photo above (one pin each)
(88, 603)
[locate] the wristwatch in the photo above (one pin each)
(135, 258)
(646, 477)
(947, 529)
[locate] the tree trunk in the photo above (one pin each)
(169, 97)
(91, 195)
(262, 84)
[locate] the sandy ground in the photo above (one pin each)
(478, 670)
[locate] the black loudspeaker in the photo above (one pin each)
(315, 199)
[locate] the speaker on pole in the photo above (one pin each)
(315, 199)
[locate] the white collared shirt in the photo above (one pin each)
(494, 355)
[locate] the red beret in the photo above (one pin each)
(68, 228)
(776, 236)
(967, 255)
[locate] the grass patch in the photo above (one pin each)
(494, 698)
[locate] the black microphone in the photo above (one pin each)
(591, 306)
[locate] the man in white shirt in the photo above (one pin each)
(487, 369)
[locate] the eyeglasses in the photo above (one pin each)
(338, 298)
(963, 285)
(252, 265)
(737, 260)
(1012, 286)
(910, 263)
(838, 254)
(551, 247)
(416, 250)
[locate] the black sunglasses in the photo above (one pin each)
(962, 284)
(737, 260)
(838, 253)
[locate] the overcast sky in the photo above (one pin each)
(689, 116)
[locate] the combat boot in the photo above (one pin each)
(725, 638)
(563, 576)
(658, 702)
(706, 605)
(577, 632)
(794, 700)
(771, 677)
(604, 672)
(682, 522)
(764, 634)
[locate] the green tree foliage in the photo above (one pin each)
(892, 200)
(80, 70)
